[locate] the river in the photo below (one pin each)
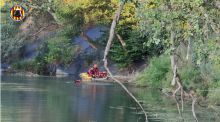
(51, 99)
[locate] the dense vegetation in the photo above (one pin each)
(189, 31)
(73, 18)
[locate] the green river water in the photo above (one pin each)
(48, 99)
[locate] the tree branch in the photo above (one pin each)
(121, 41)
(193, 107)
(48, 9)
(188, 49)
(173, 57)
(182, 97)
(174, 96)
(110, 39)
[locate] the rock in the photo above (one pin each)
(27, 74)
(30, 74)
(60, 72)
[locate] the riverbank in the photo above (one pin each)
(123, 74)
(130, 80)
(19, 73)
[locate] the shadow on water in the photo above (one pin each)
(48, 99)
(160, 108)
(51, 99)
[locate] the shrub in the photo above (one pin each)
(59, 50)
(193, 79)
(157, 72)
(214, 95)
(10, 44)
(35, 66)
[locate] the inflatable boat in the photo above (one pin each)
(85, 77)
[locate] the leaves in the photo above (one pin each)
(188, 18)
(60, 50)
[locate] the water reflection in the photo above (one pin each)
(163, 109)
(60, 100)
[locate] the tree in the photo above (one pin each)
(107, 49)
(176, 23)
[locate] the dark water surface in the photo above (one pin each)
(48, 99)
(28, 99)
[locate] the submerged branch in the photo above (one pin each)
(111, 36)
(193, 107)
(182, 97)
(174, 96)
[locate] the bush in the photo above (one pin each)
(156, 73)
(193, 79)
(134, 51)
(10, 44)
(214, 85)
(35, 66)
(189, 75)
(214, 97)
(60, 50)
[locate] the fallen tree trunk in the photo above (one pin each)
(110, 39)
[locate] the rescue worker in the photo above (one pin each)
(94, 71)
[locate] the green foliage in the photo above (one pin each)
(192, 79)
(60, 50)
(99, 12)
(187, 19)
(156, 72)
(214, 85)
(135, 49)
(72, 18)
(38, 65)
(34, 66)
(55, 51)
(214, 96)
(190, 76)
(172, 23)
(85, 11)
(10, 43)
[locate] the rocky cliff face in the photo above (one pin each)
(26, 35)
(37, 24)
(40, 26)
(87, 55)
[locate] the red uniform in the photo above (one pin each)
(93, 72)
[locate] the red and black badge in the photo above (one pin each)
(17, 13)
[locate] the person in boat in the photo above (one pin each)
(94, 71)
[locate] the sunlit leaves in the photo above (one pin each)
(188, 20)
(2, 3)
(60, 50)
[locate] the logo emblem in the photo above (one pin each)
(17, 13)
